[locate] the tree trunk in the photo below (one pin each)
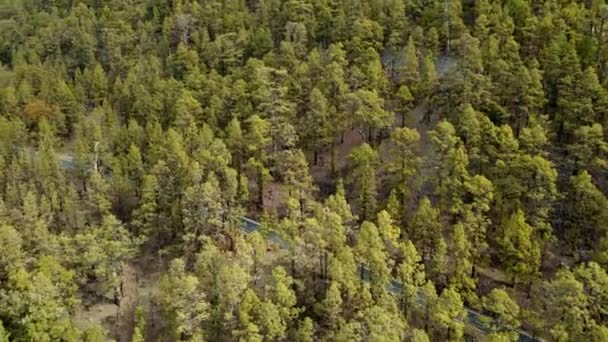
(321, 276)
(426, 317)
(528, 288)
(333, 158)
(261, 190)
(404, 307)
(255, 266)
(325, 271)
(600, 50)
(238, 176)
(560, 132)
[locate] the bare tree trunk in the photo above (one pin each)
(325, 271)
(238, 175)
(261, 190)
(95, 157)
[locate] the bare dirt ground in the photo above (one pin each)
(275, 196)
(321, 173)
(140, 287)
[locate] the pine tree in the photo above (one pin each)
(235, 142)
(4, 335)
(565, 303)
(447, 316)
(409, 74)
(184, 306)
(504, 309)
(297, 178)
(365, 161)
(383, 323)
(419, 336)
(404, 147)
(257, 142)
(451, 162)
(594, 279)
(601, 252)
(306, 331)
(404, 103)
(461, 259)
(248, 318)
(97, 85)
(12, 256)
(145, 219)
(186, 114)
(469, 130)
(38, 303)
(534, 139)
(134, 166)
(521, 253)
(140, 325)
(589, 149)
(316, 133)
(371, 253)
(430, 79)
(410, 273)
(388, 232)
(202, 213)
(97, 199)
(585, 219)
(343, 269)
(367, 110)
(332, 308)
(283, 297)
(94, 334)
(426, 231)
(394, 208)
(338, 204)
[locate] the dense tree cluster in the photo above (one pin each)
(408, 159)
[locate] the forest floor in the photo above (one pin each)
(140, 288)
(321, 173)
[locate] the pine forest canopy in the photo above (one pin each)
(453, 147)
